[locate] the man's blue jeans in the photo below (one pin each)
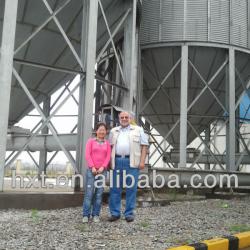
(122, 165)
(93, 195)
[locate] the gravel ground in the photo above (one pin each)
(154, 228)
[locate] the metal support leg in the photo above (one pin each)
(237, 130)
(6, 63)
(231, 134)
(227, 125)
(130, 54)
(183, 106)
(87, 91)
(90, 71)
(45, 130)
(80, 159)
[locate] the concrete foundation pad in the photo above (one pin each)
(39, 201)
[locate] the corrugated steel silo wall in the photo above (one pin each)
(220, 21)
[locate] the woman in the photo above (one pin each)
(97, 154)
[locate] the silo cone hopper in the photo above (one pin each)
(46, 46)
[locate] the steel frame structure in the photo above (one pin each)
(230, 157)
(124, 82)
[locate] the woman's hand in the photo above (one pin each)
(94, 171)
(100, 170)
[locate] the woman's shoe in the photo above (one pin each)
(85, 219)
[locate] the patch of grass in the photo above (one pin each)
(82, 227)
(172, 240)
(144, 224)
(184, 241)
(168, 240)
(179, 241)
(224, 205)
(34, 215)
(239, 228)
(173, 194)
(188, 241)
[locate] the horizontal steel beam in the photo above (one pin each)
(204, 159)
(42, 142)
(48, 67)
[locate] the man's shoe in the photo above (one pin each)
(114, 218)
(85, 219)
(96, 219)
(129, 219)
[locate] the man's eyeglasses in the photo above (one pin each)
(123, 117)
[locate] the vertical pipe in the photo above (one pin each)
(107, 97)
(207, 140)
(183, 106)
(116, 93)
(231, 109)
(139, 84)
(6, 64)
(97, 101)
(130, 54)
(45, 131)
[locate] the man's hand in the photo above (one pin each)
(141, 165)
(144, 149)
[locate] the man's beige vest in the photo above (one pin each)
(135, 146)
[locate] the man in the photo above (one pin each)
(129, 149)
